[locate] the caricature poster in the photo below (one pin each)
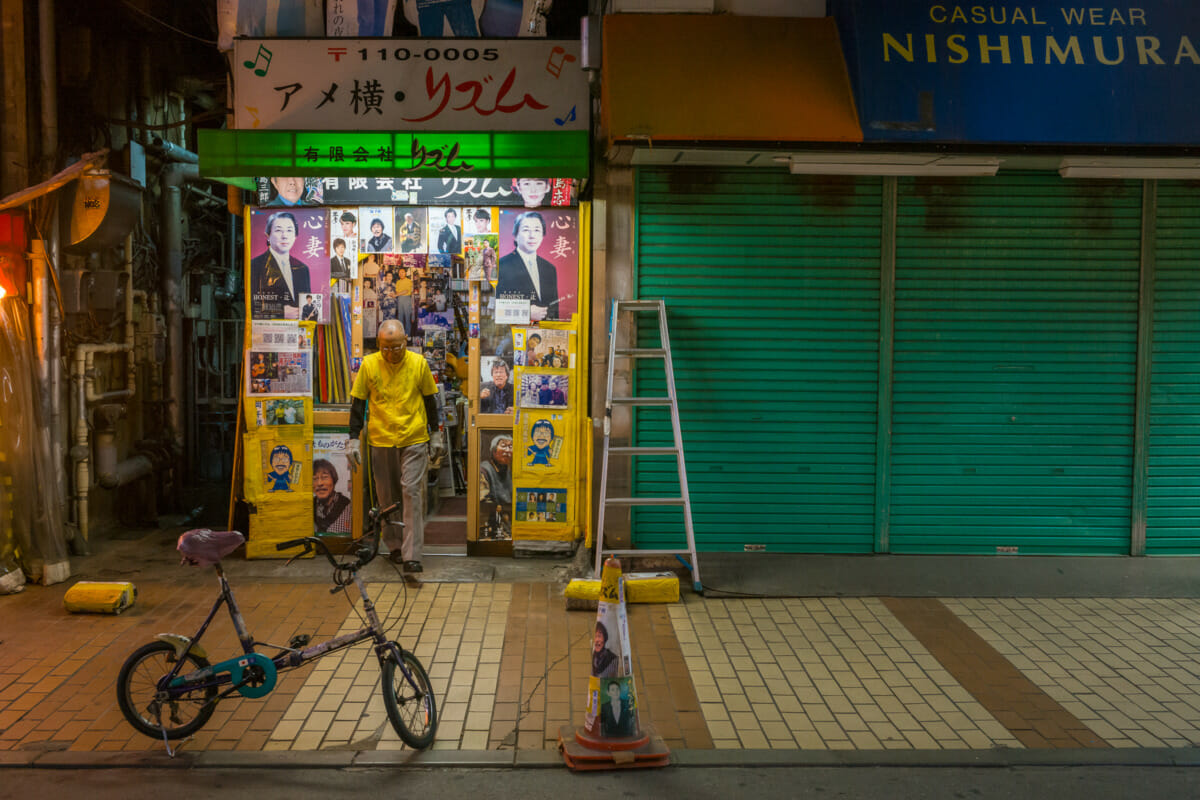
(282, 465)
(543, 445)
(545, 242)
(289, 262)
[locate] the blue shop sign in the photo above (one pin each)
(1024, 73)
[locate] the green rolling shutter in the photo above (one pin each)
(1173, 494)
(1015, 350)
(772, 289)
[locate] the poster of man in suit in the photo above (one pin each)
(539, 261)
(289, 259)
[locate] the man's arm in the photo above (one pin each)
(358, 414)
(432, 418)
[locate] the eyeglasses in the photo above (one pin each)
(394, 349)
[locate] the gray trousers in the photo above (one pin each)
(401, 471)
(404, 312)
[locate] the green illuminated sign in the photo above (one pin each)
(423, 154)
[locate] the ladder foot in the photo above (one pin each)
(698, 587)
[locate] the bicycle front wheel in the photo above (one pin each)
(181, 714)
(408, 697)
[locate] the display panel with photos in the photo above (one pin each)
(495, 485)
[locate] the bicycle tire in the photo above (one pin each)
(407, 706)
(137, 685)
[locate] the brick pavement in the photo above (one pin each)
(509, 664)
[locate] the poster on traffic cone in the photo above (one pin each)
(612, 698)
(612, 737)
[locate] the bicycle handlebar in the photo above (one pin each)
(366, 552)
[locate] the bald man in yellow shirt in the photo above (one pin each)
(394, 393)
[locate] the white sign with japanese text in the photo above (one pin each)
(409, 84)
(512, 311)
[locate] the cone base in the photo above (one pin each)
(583, 752)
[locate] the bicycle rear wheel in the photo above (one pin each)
(137, 694)
(409, 699)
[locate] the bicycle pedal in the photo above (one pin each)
(299, 640)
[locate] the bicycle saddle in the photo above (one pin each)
(202, 547)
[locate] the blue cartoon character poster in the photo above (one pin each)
(282, 469)
(541, 436)
(542, 441)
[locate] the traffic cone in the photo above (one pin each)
(612, 736)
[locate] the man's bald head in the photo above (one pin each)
(392, 341)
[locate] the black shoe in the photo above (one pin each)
(413, 566)
(395, 557)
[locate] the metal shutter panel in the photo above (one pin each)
(1015, 351)
(1173, 494)
(772, 289)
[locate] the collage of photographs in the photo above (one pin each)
(452, 276)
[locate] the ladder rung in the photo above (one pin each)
(644, 501)
(642, 401)
(642, 451)
(638, 305)
(641, 352)
(646, 552)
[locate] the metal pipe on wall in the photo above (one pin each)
(85, 392)
(174, 176)
(48, 84)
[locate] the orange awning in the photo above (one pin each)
(672, 77)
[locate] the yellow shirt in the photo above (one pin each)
(395, 408)
(403, 286)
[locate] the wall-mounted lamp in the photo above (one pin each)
(912, 164)
(1136, 168)
(12, 253)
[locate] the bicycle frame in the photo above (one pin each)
(289, 658)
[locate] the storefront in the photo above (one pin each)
(412, 207)
(942, 339)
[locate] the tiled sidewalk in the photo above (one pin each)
(823, 673)
(510, 666)
(1129, 669)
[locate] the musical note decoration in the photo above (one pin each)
(263, 55)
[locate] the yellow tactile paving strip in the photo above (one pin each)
(826, 673)
(1128, 668)
(456, 630)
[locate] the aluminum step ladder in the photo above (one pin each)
(659, 308)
